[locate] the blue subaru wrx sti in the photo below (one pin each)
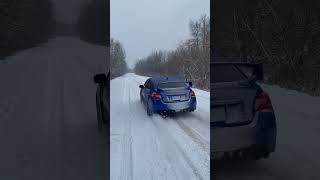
(167, 95)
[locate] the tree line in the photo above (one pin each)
(190, 60)
(24, 24)
(284, 35)
(118, 65)
(92, 24)
(27, 23)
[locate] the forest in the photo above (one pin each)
(92, 25)
(284, 35)
(118, 65)
(190, 60)
(28, 23)
(24, 24)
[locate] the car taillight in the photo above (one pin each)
(262, 102)
(155, 96)
(192, 93)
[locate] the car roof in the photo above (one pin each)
(158, 79)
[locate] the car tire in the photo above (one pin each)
(99, 112)
(141, 100)
(149, 110)
(265, 155)
(262, 155)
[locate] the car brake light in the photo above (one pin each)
(155, 96)
(192, 93)
(262, 102)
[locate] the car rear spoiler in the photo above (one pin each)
(166, 82)
(257, 68)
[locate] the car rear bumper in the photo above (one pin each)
(160, 106)
(260, 134)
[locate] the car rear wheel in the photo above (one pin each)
(141, 100)
(149, 110)
(99, 112)
(264, 155)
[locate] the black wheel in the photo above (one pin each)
(172, 114)
(102, 103)
(261, 155)
(102, 110)
(104, 113)
(141, 100)
(164, 114)
(149, 111)
(99, 111)
(265, 155)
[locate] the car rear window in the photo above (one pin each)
(226, 73)
(168, 85)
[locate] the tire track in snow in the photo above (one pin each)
(156, 152)
(130, 133)
(158, 163)
(157, 166)
(184, 155)
(127, 162)
(195, 136)
(199, 119)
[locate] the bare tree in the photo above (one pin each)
(282, 34)
(190, 60)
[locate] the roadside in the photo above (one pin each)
(48, 125)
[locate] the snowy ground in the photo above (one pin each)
(48, 126)
(145, 148)
(297, 153)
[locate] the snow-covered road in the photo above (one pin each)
(145, 148)
(297, 154)
(48, 126)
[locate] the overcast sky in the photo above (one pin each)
(146, 25)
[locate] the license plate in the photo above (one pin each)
(176, 98)
(235, 114)
(178, 106)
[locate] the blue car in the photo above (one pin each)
(167, 95)
(243, 121)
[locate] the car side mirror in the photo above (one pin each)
(190, 83)
(141, 86)
(100, 78)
